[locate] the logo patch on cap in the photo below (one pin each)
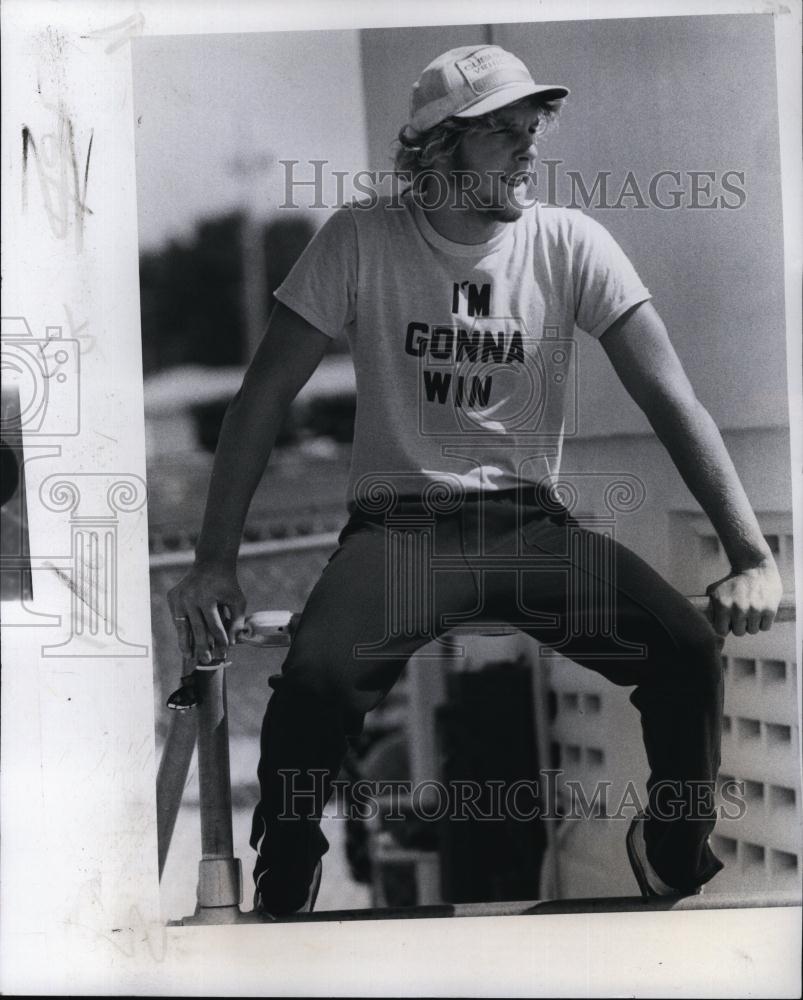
(481, 71)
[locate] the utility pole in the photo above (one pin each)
(249, 169)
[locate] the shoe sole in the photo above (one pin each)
(645, 888)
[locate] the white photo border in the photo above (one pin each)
(80, 901)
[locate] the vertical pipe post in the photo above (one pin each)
(220, 881)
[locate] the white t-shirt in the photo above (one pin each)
(464, 355)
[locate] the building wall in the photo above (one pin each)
(595, 734)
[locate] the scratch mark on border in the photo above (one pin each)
(127, 29)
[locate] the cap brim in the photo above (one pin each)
(509, 95)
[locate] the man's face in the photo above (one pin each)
(495, 164)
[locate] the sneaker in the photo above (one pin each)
(649, 882)
(306, 907)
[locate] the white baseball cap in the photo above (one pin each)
(470, 81)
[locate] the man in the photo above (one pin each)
(460, 301)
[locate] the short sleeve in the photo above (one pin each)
(606, 284)
(322, 285)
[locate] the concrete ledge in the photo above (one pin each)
(609, 904)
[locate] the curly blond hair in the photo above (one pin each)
(417, 152)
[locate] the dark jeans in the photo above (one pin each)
(391, 586)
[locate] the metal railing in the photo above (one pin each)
(220, 874)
